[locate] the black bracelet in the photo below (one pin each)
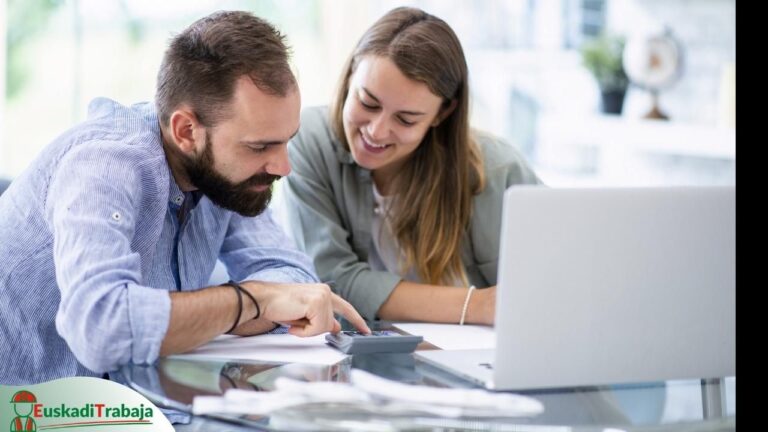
(253, 299)
(239, 307)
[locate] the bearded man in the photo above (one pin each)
(109, 237)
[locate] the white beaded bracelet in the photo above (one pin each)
(466, 303)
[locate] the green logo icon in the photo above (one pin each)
(22, 402)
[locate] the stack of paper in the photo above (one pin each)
(376, 394)
(278, 348)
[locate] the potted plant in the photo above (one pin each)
(603, 57)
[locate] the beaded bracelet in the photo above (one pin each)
(466, 304)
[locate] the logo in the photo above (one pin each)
(23, 402)
(78, 403)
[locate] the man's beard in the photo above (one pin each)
(238, 197)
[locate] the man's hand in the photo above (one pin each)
(201, 315)
(253, 327)
(307, 308)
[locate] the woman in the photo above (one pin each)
(393, 196)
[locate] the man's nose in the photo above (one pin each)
(278, 163)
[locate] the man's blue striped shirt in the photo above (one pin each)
(86, 242)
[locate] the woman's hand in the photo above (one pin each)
(482, 306)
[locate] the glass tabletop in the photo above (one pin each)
(689, 405)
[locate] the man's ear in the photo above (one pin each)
(182, 125)
(444, 113)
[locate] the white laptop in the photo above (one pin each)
(606, 286)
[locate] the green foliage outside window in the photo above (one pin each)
(25, 19)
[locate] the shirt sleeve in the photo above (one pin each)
(256, 248)
(318, 226)
(504, 166)
(106, 316)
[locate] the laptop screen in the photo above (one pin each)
(619, 285)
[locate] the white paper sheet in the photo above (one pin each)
(452, 336)
(371, 393)
(283, 348)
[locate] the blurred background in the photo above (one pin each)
(547, 75)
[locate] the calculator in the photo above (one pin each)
(380, 341)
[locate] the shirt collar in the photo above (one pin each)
(175, 195)
(344, 156)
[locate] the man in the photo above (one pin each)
(108, 236)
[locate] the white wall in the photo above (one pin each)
(3, 31)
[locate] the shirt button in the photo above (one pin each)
(178, 199)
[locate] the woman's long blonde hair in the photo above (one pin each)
(434, 189)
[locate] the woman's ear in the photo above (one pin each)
(444, 112)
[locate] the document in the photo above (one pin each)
(369, 394)
(452, 336)
(278, 348)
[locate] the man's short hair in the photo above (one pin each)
(203, 63)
